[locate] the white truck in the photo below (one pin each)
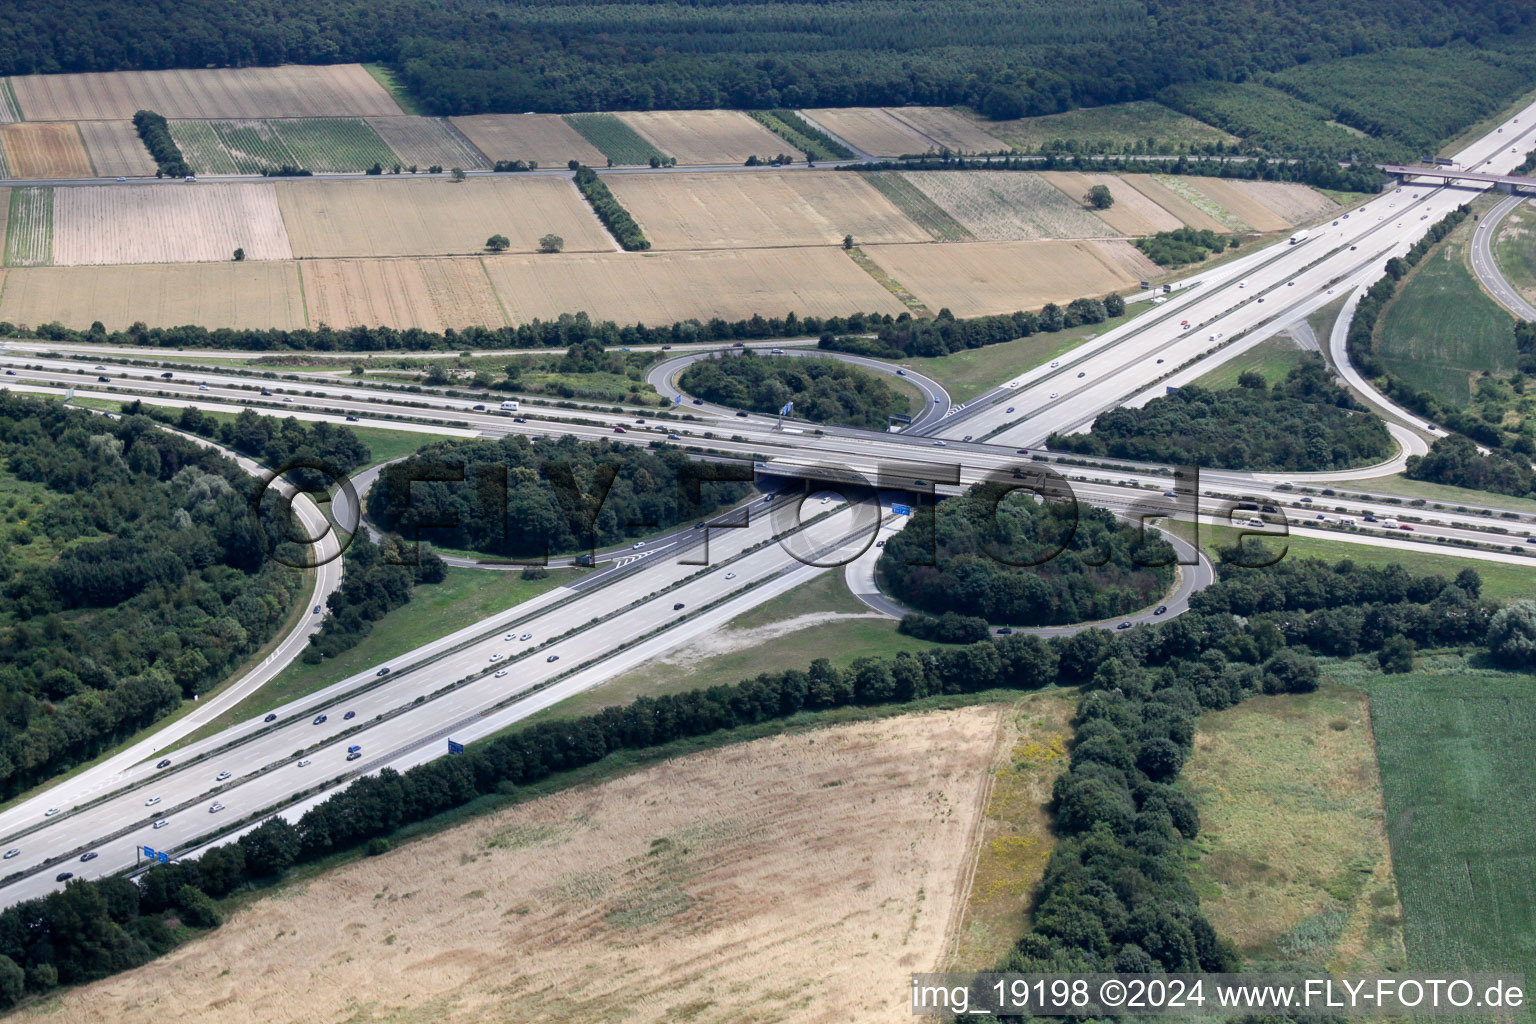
(510, 406)
(1299, 237)
(1389, 524)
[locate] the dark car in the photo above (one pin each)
(349, 716)
(354, 755)
(317, 609)
(553, 657)
(678, 606)
(271, 718)
(164, 764)
(1005, 631)
(10, 373)
(698, 401)
(91, 855)
(266, 393)
(63, 876)
(666, 348)
(519, 419)
(620, 430)
(166, 376)
(383, 671)
(351, 418)
(698, 526)
(479, 408)
(104, 380)
(1160, 609)
(1083, 374)
(1124, 625)
(742, 413)
(319, 720)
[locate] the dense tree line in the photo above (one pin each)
(1014, 560)
(1115, 894)
(1455, 460)
(949, 628)
(377, 579)
(907, 336)
(800, 133)
(1005, 59)
(1182, 245)
(823, 390)
(610, 211)
(156, 133)
(517, 498)
(1320, 173)
(133, 578)
(1305, 423)
(271, 441)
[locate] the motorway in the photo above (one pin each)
(1487, 268)
(451, 687)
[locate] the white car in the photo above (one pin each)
(510, 636)
(215, 808)
(120, 178)
(1055, 362)
(938, 444)
(50, 812)
(221, 776)
(304, 763)
(1053, 394)
(730, 575)
(162, 822)
(1013, 384)
(496, 656)
(526, 636)
(11, 853)
(637, 544)
(202, 387)
(825, 500)
(500, 673)
(151, 801)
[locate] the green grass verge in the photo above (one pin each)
(1514, 249)
(1437, 494)
(392, 85)
(975, 370)
(1118, 127)
(1453, 743)
(1272, 357)
(1501, 581)
(1441, 330)
(750, 644)
(434, 611)
(618, 141)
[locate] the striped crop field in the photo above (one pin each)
(425, 141)
(922, 210)
(617, 140)
(325, 145)
(29, 228)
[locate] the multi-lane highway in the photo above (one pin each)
(649, 599)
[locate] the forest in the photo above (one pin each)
(1115, 895)
(1012, 560)
(822, 390)
(516, 498)
(1007, 58)
(1305, 423)
(134, 577)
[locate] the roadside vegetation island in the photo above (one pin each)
(821, 390)
(517, 499)
(1304, 423)
(1010, 558)
(548, 664)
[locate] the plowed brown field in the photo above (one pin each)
(976, 278)
(799, 878)
(546, 138)
(172, 223)
(662, 287)
(735, 210)
(433, 294)
(210, 294)
(116, 149)
(427, 217)
(44, 151)
(706, 136)
(334, 90)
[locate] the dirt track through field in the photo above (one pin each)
(797, 878)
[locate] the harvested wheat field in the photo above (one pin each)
(873, 130)
(167, 224)
(949, 128)
(224, 294)
(662, 287)
(334, 90)
(706, 136)
(433, 294)
(796, 878)
(116, 149)
(44, 151)
(1155, 189)
(1241, 207)
(425, 141)
(1132, 214)
(545, 138)
(977, 278)
(429, 217)
(1292, 203)
(1008, 205)
(737, 210)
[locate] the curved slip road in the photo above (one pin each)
(1487, 269)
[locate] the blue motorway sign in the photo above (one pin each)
(900, 510)
(455, 747)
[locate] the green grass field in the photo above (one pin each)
(1441, 329)
(1272, 357)
(402, 96)
(1501, 581)
(926, 213)
(975, 370)
(1437, 494)
(1453, 744)
(1514, 249)
(617, 140)
(29, 228)
(1118, 127)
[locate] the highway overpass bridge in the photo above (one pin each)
(1449, 175)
